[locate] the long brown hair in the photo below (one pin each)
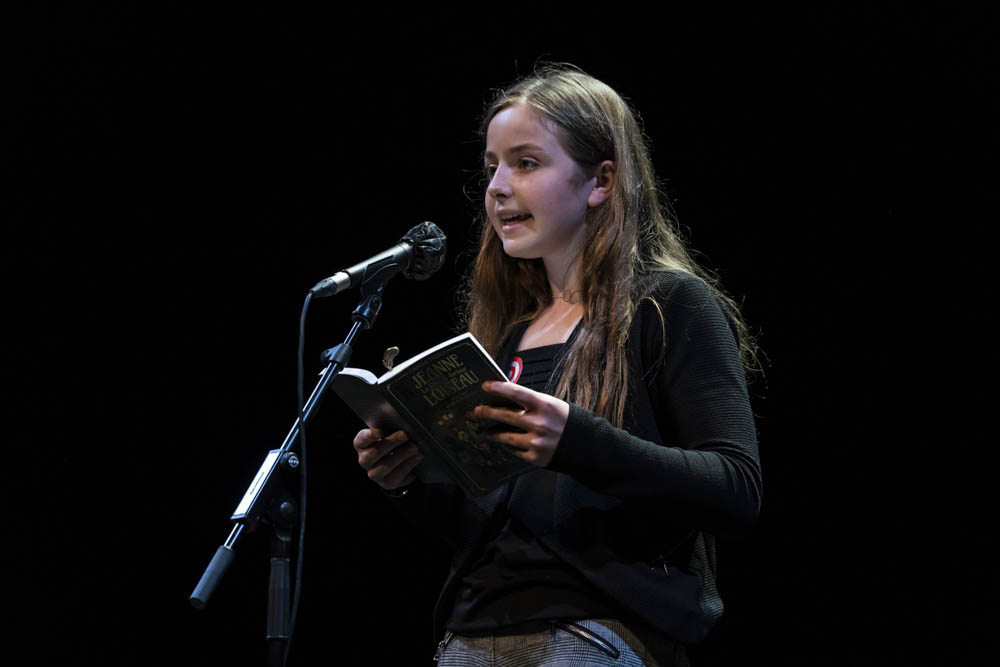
(628, 236)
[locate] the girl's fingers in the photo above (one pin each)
(369, 436)
(366, 437)
(389, 460)
(395, 466)
(515, 392)
(402, 474)
(518, 441)
(372, 454)
(533, 433)
(504, 415)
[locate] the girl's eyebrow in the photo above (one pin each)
(514, 150)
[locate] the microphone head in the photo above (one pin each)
(429, 248)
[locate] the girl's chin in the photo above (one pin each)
(518, 250)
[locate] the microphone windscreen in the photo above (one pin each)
(429, 248)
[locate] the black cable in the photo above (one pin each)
(302, 476)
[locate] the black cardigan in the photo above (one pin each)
(635, 510)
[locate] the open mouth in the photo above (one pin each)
(510, 221)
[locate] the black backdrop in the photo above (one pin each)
(182, 175)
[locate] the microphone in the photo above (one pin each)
(418, 255)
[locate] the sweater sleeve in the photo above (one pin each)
(708, 467)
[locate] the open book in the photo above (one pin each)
(431, 397)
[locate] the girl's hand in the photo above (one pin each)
(542, 420)
(390, 460)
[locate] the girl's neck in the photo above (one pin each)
(567, 288)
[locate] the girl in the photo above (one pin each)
(630, 366)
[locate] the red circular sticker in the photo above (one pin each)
(516, 366)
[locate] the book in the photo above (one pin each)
(431, 397)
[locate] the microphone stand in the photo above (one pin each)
(269, 501)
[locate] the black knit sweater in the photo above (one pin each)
(635, 510)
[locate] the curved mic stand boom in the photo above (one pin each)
(269, 501)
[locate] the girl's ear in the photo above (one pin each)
(605, 182)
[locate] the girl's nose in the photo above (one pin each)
(499, 186)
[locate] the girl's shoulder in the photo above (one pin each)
(676, 299)
(669, 285)
(678, 305)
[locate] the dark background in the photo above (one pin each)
(180, 176)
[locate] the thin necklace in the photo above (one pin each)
(568, 295)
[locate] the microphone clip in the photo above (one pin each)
(371, 297)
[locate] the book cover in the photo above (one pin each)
(431, 397)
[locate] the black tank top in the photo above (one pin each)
(514, 581)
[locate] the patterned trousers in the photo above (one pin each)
(562, 644)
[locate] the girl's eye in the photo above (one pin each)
(524, 164)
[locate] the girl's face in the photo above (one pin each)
(538, 196)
